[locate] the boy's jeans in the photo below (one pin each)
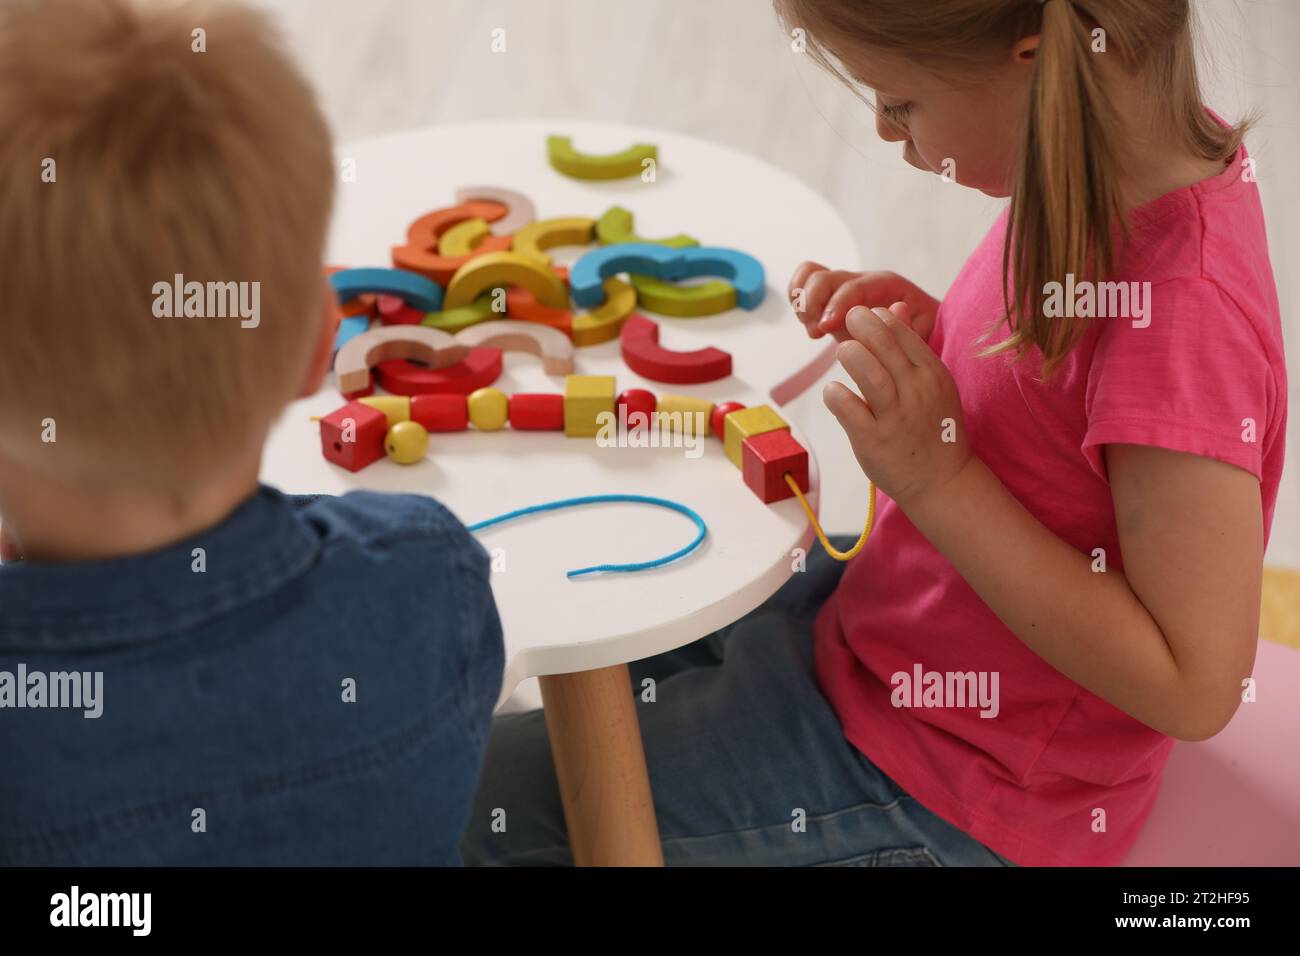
(748, 764)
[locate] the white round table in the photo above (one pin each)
(578, 635)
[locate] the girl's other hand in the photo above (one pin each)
(822, 299)
(906, 428)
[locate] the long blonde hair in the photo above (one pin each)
(1066, 215)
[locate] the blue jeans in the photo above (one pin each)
(748, 763)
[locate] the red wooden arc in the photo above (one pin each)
(645, 356)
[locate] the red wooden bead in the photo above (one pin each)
(440, 413)
(766, 459)
(636, 400)
(718, 419)
(353, 436)
(479, 370)
(537, 413)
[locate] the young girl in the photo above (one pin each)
(1078, 450)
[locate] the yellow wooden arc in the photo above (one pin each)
(546, 233)
(463, 238)
(505, 269)
(571, 162)
(606, 321)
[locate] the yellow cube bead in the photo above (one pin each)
(585, 397)
(684, 413)
(743, 423)
(488, 409)
(396, 408)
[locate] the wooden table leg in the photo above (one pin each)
(600, 763)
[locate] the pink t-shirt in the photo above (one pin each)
(1027, 782)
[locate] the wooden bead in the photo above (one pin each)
(684, 413)
(406, 442)
(741, 424)
(585, 398)
(353, 436)
(767, 458)
(537, 413)
(440, 413)
(397, 408)
(488, 409)
(639, 402)
(720, 413)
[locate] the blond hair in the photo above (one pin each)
(144, 141)
(1066, 214)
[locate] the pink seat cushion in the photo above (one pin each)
(1234, 800)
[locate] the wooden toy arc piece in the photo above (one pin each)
(615, 226)
(571, 162)
(455, 320)
(739, 268)
(645, 356)
(683, 301)
(463, 238)
(428, 229)
(605, 321)
(504, 268)
(551, 345)
(432, 347)
(416, 290)
(588, 273)
(519, 208)
(546, 233)
(480, 369)
(420, 254)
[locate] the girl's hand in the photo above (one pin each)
(822, 299)
(907, 429)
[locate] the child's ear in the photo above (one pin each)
(323, 351)
(1025, 50)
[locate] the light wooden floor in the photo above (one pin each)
(722, 70)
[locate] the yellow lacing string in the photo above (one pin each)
(821, 535)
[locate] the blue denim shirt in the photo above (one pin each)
(227, 732)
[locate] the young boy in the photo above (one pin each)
(195, 669)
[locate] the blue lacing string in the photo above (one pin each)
(601, 499)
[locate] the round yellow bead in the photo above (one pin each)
(488, 409)
(406, 442)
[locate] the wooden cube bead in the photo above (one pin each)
(585, 398)
(488, 409)
(537, 413)
(353, 436)
(767, 458)
(746, 422)
(684, 413)
(440, 413)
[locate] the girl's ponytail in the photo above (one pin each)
(1065, 216)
